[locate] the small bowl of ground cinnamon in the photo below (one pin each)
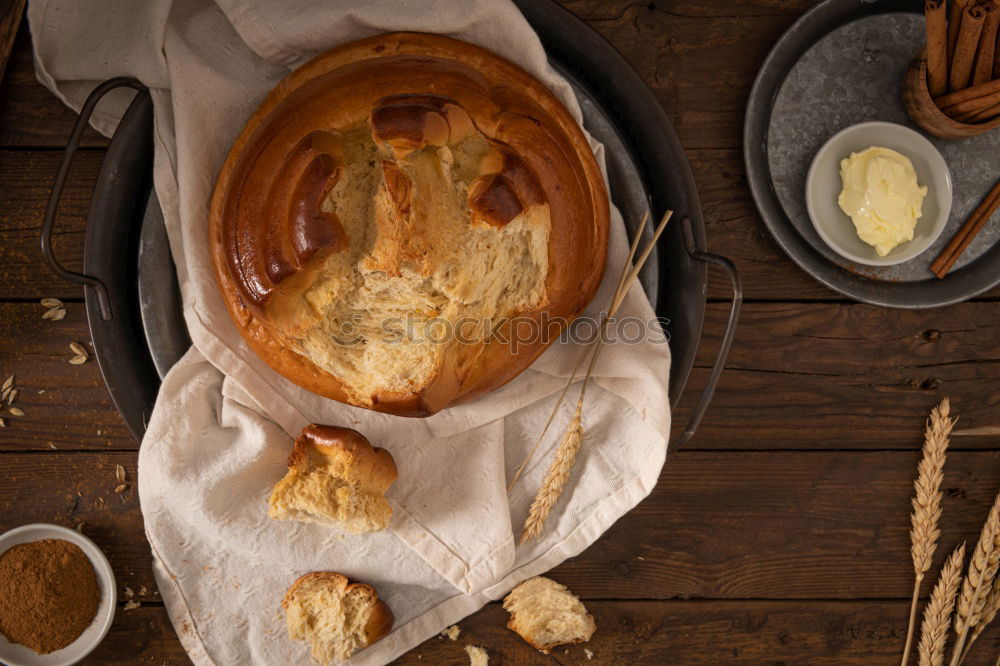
(57, 596)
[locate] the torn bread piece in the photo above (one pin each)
(336, 617)
(335, 478)
(477, 655)
(546, 614)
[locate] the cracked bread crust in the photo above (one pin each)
(406, 174)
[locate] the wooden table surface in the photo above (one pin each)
(779, 535)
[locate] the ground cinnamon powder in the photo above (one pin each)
(48, 594)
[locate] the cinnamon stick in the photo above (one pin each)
(961, 240)
(983, 69)
(981, 90)
(965, 47)
(955, 10)
(937, 47)
(979, 116)
(973, 105)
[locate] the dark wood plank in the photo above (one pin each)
(818, 364)
(699, 59)
(31, 116)
(823, 375)
(700, 65)
(69, 489)
(734, 229)
(27, 181)
(10, 20)
(139, 636)
(753, 525)
(688, 632)
(65, 406)
(633, 632)
(782, 524)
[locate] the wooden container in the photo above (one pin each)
(924, 112)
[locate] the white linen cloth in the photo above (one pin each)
(221, 431)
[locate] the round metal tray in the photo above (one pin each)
(832, 68)
(134, 305)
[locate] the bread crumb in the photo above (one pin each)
(589, 653)
(477, 656)
(452, 632)
(132, 605)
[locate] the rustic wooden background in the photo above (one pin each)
(778, 536)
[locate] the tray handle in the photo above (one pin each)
(60, 182)
(727, 339)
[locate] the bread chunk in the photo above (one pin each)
(335, 478)
(546, 614)
(335, 617)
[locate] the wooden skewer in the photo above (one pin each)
(960, 242)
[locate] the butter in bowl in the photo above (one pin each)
(878, 193)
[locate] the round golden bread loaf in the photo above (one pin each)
(407, 222)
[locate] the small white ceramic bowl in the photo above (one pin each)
(18, 655)
(823, 186)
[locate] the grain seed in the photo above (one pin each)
(3, 424)
(120, 473)
(131, 605)
(16, 411)
(7, 383)
(51, 303)
(78, 360)
(54, 314)
(78, 349)
(120, 488)
(11, 396)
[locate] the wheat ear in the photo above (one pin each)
(623, 278)
(975, 587)
(569, 445)
(990, 609)
(937, 613)
(924, 530)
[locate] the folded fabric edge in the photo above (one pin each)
(451, 611)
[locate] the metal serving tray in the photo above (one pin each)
(833, 68)
(133, 300)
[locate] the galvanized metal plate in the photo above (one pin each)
(836, 66)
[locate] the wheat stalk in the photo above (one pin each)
(982, 569)
(990, 609)
(569, 445)
(924, 530)
(579, 361)
(555, 479)
(937, 614)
